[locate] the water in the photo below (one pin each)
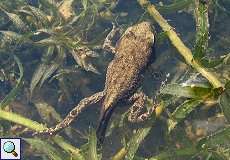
(57, 81)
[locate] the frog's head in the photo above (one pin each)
(142, 30)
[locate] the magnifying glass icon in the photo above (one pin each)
(9, 147)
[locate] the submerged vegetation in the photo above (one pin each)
(51, 58)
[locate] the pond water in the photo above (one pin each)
(51, 57)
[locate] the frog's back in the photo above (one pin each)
(133, 54)
(134, 51)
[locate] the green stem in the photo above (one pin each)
(13, 117)
(120, 154)
(178, 44)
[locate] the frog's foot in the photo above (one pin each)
(108, 43)
(138, 112)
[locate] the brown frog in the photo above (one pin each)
(134, 52)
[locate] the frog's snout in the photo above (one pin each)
(147, 30)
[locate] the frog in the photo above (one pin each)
(133, 53)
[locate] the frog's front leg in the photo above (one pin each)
(138, 111)
(108, 43)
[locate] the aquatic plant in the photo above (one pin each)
(46, 47)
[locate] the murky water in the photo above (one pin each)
(54, 81)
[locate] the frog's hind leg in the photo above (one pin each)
(138, 112)
(72, 114)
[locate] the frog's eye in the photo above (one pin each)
(128, 30)
(130, 34)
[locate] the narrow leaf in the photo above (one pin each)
(135, 142)
(84, 4)
(175, 6)
(177, 153)
(224, 102)
(16, 20)
(182, 112)
(221, 137)
(48, 41)
(218, 143)
(186, 91)
(44, 70)
(41, 17)
(202, 34)
(13, 93)
(47, 112)
(92, 152)
(52, 152)
(211, 63)
(41, 69)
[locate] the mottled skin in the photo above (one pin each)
(133, 53)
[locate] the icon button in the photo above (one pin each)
(10, 148)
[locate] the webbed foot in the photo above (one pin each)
(138, 112)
